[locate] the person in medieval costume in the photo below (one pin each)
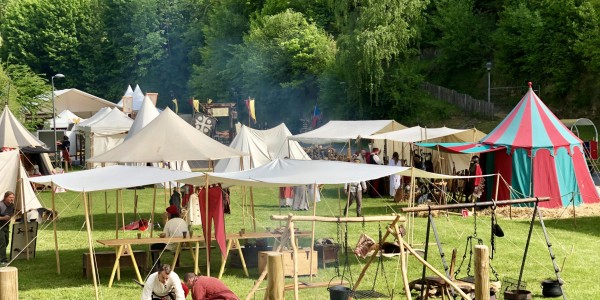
(286, 196)
(473, 183)
(300, 198)
(194, 215)
(395, 179)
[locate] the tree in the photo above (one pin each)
(283, 56)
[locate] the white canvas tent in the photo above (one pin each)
(14, 135)
(343, 131)
(79, 102)
(167, 138)
(64, 120)
(12, 170)
(137, 97)
(263, 147)
(103, 134)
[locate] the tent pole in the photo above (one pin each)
(54, 229)
(117, 213)
(349, 149)
(90, 244)
(153, 222)
(411, 203)
(497, 186)
(243, 194)
(207, 236)
(122, 211)
(252, 209)
(105, 202)
(24, 208)
(312, 239)
(91, 204)
(135, 203)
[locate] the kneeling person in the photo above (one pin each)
(207, 288)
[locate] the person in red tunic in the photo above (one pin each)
(207, 288)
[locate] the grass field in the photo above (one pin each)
(576, 246)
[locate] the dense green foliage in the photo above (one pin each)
(353, 59)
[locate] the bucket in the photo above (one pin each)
(517, 295)
(339, 292)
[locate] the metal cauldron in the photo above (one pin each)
(551, 288)
(517, 295)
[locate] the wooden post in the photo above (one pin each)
(312, 239)
(411, 202)
(482, 275)
(295, 253)
(9, 283)
(117, 214)
(403, 263)
(252, 209)
(153, 222)
(90, 243)
(276, 281)
(106, 202)
(122, 212)
(91, 210)
(54, 217)
(24, 208)
(135, 202)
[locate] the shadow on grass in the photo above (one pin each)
(586, 225)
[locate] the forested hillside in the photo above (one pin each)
(354, 59)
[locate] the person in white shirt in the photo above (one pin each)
(163, 285)
(174, 227)
(395, 179)
(356, 189)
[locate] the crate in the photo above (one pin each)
(288, 262)
(250, 256)
(327, 253)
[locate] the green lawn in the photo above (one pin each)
(38, 278)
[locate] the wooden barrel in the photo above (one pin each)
(9, 283)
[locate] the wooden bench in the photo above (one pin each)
(106, 259)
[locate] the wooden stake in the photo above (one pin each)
(54, 217)
(106, 202)
(276, 282)
(90, 243)
(403, 264)
(482, 276)
(91, 209)
(122, 212)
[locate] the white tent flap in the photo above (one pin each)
(113, 177)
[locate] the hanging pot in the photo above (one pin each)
(497, 230)
(551, 288)
(518, 295)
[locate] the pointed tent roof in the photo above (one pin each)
(113, 122)
(531, 125)
(13, 134)
(95, 118)
(147, 113)
(167, 138)
(263, 147)
(137, 95)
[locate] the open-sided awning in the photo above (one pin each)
(461, 148)
(113, 177)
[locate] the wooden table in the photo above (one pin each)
(121, 244)
(235, 239)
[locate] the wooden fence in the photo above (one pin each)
(464, 101)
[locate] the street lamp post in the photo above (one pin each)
(488, 66)
(54, 119)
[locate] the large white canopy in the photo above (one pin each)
(263, 147)
(289, 172)
(342, 131)
(13, 134)
(113, 177)
(168, 138)
(79, 102)
(415, 134)
(146, 114)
